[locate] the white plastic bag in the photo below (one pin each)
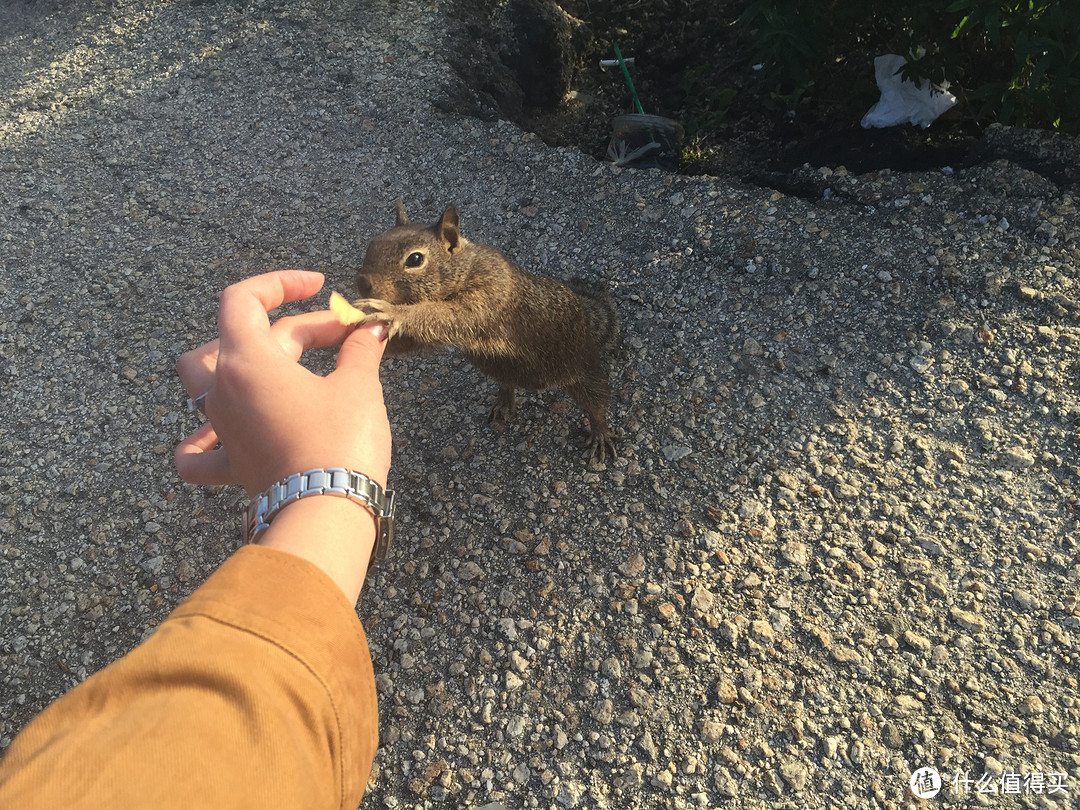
(903, 101)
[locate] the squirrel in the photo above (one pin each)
(434, 288)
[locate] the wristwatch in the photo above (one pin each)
(329, 481)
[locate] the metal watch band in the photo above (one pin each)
(330, 481)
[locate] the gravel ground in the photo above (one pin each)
(841, 540)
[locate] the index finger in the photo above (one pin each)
(243, 306)
(309, 330)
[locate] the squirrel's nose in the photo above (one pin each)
(363, 285)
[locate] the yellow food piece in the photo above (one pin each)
(346, 312)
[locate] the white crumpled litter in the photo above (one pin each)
(902, 100)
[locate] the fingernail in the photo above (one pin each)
(378, 329)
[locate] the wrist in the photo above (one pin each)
(339, 519)
(335, 534)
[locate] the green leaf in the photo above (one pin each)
(960, 26)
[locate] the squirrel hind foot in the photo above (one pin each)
(504, 406)
(601, 445)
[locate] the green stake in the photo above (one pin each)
(629, 81)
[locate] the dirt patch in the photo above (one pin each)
(691, 64)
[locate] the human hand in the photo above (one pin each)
(272, 416)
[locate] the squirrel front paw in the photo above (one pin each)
(364, 311)
(376, 309)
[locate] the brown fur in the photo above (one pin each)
(434, 288)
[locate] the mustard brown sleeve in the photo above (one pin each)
(256, 692)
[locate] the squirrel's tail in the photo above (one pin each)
(600, 314)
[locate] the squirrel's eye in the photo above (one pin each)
(414, 259)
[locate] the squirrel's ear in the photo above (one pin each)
(402, 217)
(446, 229)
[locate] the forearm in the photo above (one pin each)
(255, 692)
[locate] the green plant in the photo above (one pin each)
(1042, 88)
(705, 106)
(1013, 62)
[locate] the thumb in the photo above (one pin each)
(362, 350)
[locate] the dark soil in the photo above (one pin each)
(691, 64)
